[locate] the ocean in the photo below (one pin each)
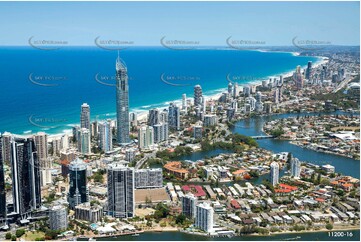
(42, 90)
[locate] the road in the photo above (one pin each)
(140, 163)
(342, 85)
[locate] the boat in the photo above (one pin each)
(135, 234)
(298, 237)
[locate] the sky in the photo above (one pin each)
(207, 23)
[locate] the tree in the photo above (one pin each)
(148, 200)
(93, 202)
(8, 236)
(180, 219)
(19, 233)
(98, 178)
(51, 234)
(277, 132)
(329, 226)
(149, 223)
(318, 178)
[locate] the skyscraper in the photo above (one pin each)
(252, 102)
(122, 102)
(204, 104)
(94, 129)
(105, 136)
(276, 96)
(121, 202)
(85, 116)
(184, 101)
(130, 154)
(309, 70)
(6, 146)
(298, 78)
(58, 218)
(2, 186)
(84, 143)
(26, 176)
(280, 91)
(197, 131)
(230, 88)
(64, 144)
(148, 178)
(189, 203)
(160, 132)
(78, 190)
(41, 143)
(197, 95)
(164, 116)
(235, 90)
(295, 168)
(259, 103)
(133, 118)
(247, 91)
(174, 116)
(153, 117)
(274, 175)
(204, 217)
(145, 137)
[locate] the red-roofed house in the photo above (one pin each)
(285, 189)
(235, 204)
(196, 190)
(347, 187)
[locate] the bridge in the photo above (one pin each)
(141, 162)
(263, 137)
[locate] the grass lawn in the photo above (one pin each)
(31, 236)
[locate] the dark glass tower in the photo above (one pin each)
(121, 201)
(78, 191)
(122, 102)
(2, 186)
(26, 176)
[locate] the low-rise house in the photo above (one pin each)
(342, 216)
(210, 192)
(296, 220)
(266, 217)
(277, 219)
(344, 207)
(235, 204)
(305, 218)
(351, 215)
(287, 219)
(248, 221)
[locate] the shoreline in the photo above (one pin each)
(210, 95)
(296, 142)
(175, 230)
(351, 228)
